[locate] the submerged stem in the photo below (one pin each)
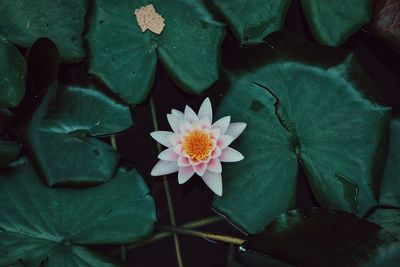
(167, 190)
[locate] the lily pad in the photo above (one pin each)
(389, 219)
(43, 225)
(333, 22)
(24, 21)
(12, 72)
(253, 20)
(63, 133)
(308, 102)
(9, 152)
(188, 47)
(320, 237)
(390, 189)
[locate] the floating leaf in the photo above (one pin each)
(188, 47)
(9, 152)
(61, 135)
(24, 21)
(326, 237)
(251, 21)
(301, 101)
(386, 22)
(333, 22)
(39, 224)
(389, 219)
(390, 189)
(12, 73)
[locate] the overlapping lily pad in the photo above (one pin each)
(62, 135)
(24, 21)
(125, 58)
(307, 102)
(390, 189)
(12, 72)
(253, 20)
(326, 237)
(45, 226)
(9, 151)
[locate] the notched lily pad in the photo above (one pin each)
(307, 102)
(24, 21)
(251, 21)
(188, 46)
(62, 135)
(326, 237)
(12, 75)
(39, 224)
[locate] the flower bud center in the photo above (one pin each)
(197, 145)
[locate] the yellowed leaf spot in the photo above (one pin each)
(149, 19)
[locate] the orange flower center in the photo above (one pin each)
(197, 145)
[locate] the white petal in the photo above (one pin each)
(215, 133)
(213, 181)
(194, 162)
(214, 165)
(178, 149)
(174, 139)
(177, 113)
(224, 141)
(230, 155)
(204, 123)
(162, 137)
(190, 115)
(185, 174)
(164, 167)
(200, 169)
(168, 155)
(216, 152)
(183, 162)
(174, 122)
(205, 110)
(184, 127)
(235, 129)
(222, 124)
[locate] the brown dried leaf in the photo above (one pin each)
(386, 22)
(149, 19)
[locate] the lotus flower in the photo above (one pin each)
(197, 146)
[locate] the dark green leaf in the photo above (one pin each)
(43, 224)
(252, 20)
(61, 135)
(306, 101)
(326, 237)
(389, 219)
(12, 71)
(188, 47)
(333, 22)
(24, 21)
(9, 152)
(390, 188)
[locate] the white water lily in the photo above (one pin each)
(197, 145)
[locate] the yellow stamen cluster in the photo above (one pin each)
(197, 145)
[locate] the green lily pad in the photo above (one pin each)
(188, 47)
(12, 72)
(389, 219)
(61, 21)
(333, 22)
(320, 237)
(390, 189)
(9, 152)
(43, 225)
(62, 135)
(251, 21)
(308, 102)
